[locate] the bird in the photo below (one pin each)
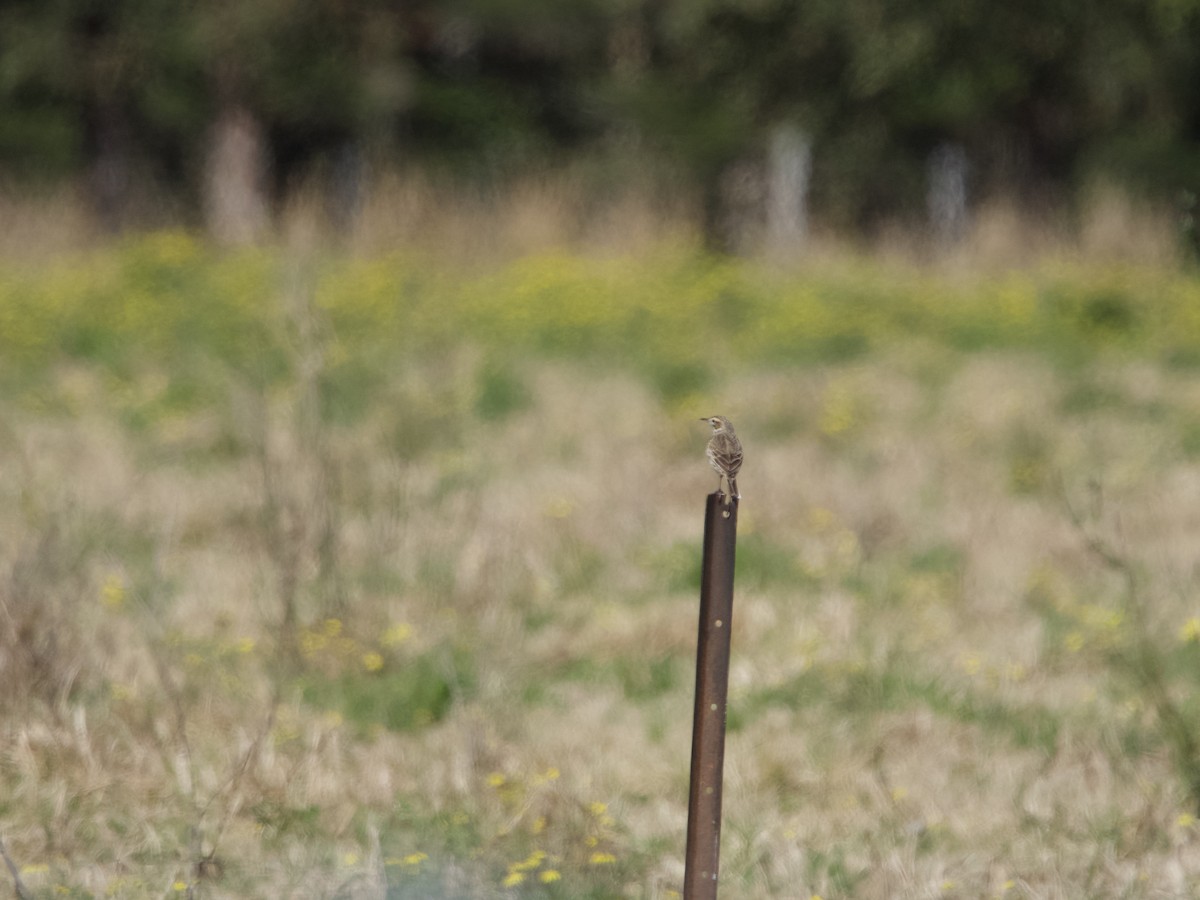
(724, 454)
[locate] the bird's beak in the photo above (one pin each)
(702, 419)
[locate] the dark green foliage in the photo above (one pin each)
(833, 869)
(401, 697)
(500, 393)
(868, 691)
(480, 88)
(645, 679)
(280, 822)
(760, 564)
(1190, 438)
(939, 559)
(680, 565)
(677, 380)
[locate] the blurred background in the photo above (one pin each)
(352, 357)
(751, 122)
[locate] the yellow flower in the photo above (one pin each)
(1185, 820)
(496, 779)
(512, 879)
(1189, 632)
(372, 661)
(601, 858)
(312, 642)
(112, 592)
(598, 808)
(245, 645)
(415, 859)
(332, 627)
(397, 634)
(350, 858)
(179, 886)
(532, 861)
(549, 875)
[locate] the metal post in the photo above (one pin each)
(703, 854)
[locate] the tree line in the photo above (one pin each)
(214, 98)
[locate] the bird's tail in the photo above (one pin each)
(733, 491)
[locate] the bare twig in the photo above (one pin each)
(232, 786)
(282, 539)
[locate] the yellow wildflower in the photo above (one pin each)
(112, 592)
(532, 861)
(397, 634)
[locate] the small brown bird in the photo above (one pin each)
(724, 454)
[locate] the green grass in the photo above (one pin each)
(371, 577)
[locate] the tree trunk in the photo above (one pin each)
(235, 178)
(109, 178)
(946, 197)
(789, 166)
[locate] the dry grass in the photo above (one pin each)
(607, 207)
(254, 644)
(924, 695)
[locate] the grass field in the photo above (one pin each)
(367, 575)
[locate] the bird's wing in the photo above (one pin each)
(728, 454)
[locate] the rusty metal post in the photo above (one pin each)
(703, 854)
